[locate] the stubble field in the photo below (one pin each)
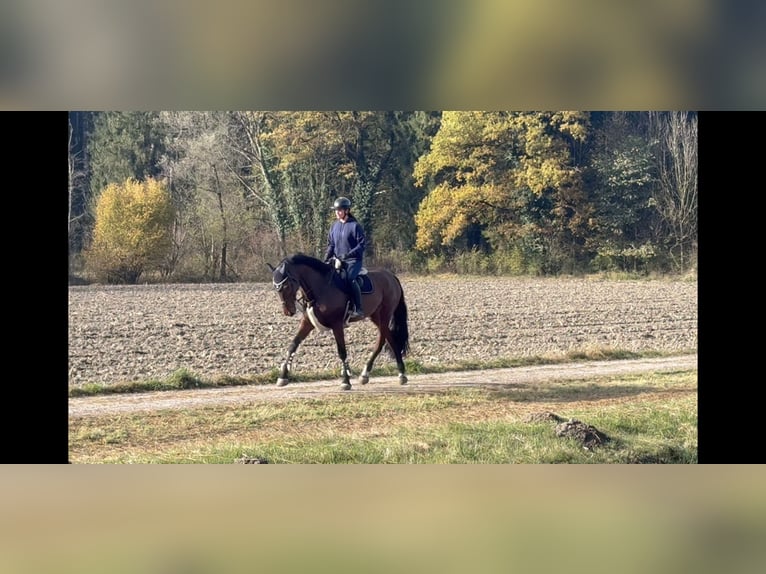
(141, 332)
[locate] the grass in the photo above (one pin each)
(649, 418)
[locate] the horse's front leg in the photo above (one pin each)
(345, 372)
(284, 370)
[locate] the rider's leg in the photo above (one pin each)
(356, 292)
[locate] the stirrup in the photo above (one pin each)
(355, 314)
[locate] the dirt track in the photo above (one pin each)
(429, 383)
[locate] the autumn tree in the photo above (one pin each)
(369, 140)
(322, 155)
(303, 160)
(305, 149)
(132, 230)
(504, 181)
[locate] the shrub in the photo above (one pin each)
(472, 262)
(625, 258)
(509, 262)
(132, 231)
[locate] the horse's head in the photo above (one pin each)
(286, 287)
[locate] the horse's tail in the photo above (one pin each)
(400, 331)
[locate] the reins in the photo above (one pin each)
(304, 296)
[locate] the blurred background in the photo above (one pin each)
(293, 54)
(390, 518)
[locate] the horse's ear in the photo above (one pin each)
(270, 267)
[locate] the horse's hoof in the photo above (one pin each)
(364, 380)
(281, 382)
(402, 379)
(346, 386)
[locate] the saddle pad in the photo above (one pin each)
(365, 283)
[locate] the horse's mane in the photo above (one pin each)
(313, 262)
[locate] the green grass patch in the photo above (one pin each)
(648, 418)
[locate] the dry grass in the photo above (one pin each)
(196, 435)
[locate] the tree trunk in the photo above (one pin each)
(224, 238)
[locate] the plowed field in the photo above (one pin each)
(133, 333)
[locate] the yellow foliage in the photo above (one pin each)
(445, 213)
(132, 229)
(482, 166)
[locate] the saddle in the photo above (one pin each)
(365, 283)
(363, 279)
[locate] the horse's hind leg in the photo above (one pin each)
(384, 335)
(284, 369)
(400, 366)
(397, 354)
(364, 378)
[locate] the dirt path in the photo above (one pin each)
(114, 404)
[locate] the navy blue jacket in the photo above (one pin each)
(346, 239)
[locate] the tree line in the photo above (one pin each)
(213, 196)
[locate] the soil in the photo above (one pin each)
(132, 333)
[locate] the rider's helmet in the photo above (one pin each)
(342, 203)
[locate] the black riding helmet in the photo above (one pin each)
(342, 203)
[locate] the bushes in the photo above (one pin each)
(132, 231)
(476, 262)
(635, 259)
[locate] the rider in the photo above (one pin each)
(346, 241)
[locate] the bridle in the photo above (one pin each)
(300, 296)
(278, 286)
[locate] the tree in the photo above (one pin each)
(132, 230)
(676, 195)
(368, 144)
(124, 145)
(314, 157)
(295, 163)
(76, 176)
(503, 180)
(260, 174)
(397, 197)
(321, 155)
(208, 178)
(620, 181)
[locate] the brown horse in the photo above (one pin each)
(321, 293)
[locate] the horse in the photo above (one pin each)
(321, 293)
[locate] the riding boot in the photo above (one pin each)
(356, 291)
